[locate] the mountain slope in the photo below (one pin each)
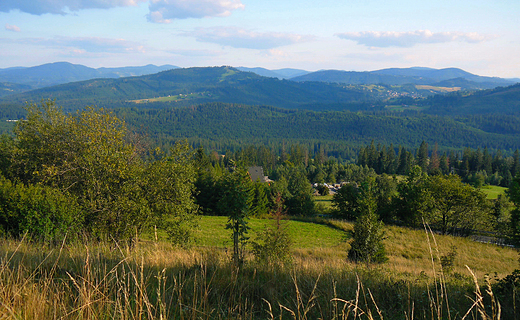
(244, 124)
(285, 73)
(503, 100)
(8, 88)
(64, 72)
(195, 85)
(400, 76)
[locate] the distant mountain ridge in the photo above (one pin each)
(285, 73)
(184, 86)
(64, 72)
(400, 76)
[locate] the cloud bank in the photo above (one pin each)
(82, 44)
(409, 39)
(164, 11)
(161, 11)
(241, 38)
(96, 44)
(14, 28)
(39, 7)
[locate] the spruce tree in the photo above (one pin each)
(368, 245)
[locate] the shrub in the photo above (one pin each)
(272, 246)
(43, 213)
(368, 243)
(448, 260)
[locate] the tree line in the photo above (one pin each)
(477, 167)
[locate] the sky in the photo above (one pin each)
(479, 36)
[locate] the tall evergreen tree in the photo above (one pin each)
(367, 245)
(422, 156)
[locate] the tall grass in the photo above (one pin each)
(154, 281)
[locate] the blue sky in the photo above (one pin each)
(482, 37)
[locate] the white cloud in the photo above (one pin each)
(39, 7)
(409, 39)
(161, 11)
(241, 38)
(164, 11)
(12, 28)
(95, 44)
(82, 44)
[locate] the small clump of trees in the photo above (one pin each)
(442, 201)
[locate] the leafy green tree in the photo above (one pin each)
(412, 202)
(501, 215)
(208, 190)
(345, 201)
(385, 189)
(236, 200)
(168, 188)
(300, 200)
(92, 156)
(444, 165)
(260, 205)
(455, 206)
(6, 152)
(422, 156)
(323, 190)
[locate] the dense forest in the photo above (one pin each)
(224, 126)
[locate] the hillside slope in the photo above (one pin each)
(242, 124)
(400, 76)
(196, 85)
(63, 72)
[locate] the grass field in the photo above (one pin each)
(438, 89)
(212, 233)
(402, 108)
(408, 250)
(153, 280)
(174, 98)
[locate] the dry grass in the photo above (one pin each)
(155, 281)
(409, 253)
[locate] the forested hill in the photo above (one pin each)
(195, 85)
(400, 76)
(63, 72)
(219, 125)
(191, 86)
(505, 100)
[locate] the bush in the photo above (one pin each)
(43, 213)
(272, 246)
(368, 243)
(448, 260)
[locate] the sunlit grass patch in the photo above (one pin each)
(492, 192)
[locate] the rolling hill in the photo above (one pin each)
(235, 124)
(285, 73)
(63, 72)
(198, 85)
(503, 100)
(400, 76)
